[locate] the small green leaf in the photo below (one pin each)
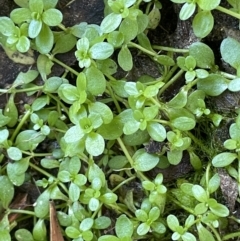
(23, 235)
(96, 82)
(172, 222)
(199, 193)
(183, 123)
(208, 5)
(156, 131)
(74, 192)
(108, 238)
(52, 17)
(143, 229)
(95, 144)
(101, 222)
(154, 18)
(115, 38)
(14, 153)
(41, 207)
(224, 159)
(34, 28)
(234, 85)
(11, 111)
(143, 161)
(6, 191)
(102, 109)
(125, 58)
(45, 39)
(61, 46)
(214, 183)
(110, 22)
(3, 135)
(101, 51)
(5, 235)
(203, 55)
(219, 209)
(40, 231)
(203, 24)
(213, 85)
(204, 234)
(187, 10)
(129, 29)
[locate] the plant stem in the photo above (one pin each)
(59, 102)
(170, 49)
(180, 204)
(171, 81)
(113, 98)
(22, 211)
(131, 44)
(62, 64)
(199, 143)
(231, 236)
(215, 232)
(122, 183)
(21, 123)
(227, 11)
(125, 151)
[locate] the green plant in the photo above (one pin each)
(96, 128)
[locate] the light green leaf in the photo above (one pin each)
(204, 234)
(45, 40)
(199, 193)
(6, 191)
(34, 28)
(187, 10)
(172, 222)
(203, 24)
(208, 5)
(230, 51)
(101, 51)
(125, 58)
(52, 17)
(143, 161)
(224, 159)
(234, 85)
(95, 144)
(96, 82)
(156, 131)
(124, 227)
(41, 207)
(103, 110)
(14, 153)
(203, 55)
(129, 29)
(110, 22)
(213, 85)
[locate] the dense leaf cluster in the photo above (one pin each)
(98, 127)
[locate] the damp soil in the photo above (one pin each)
(171, 32)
